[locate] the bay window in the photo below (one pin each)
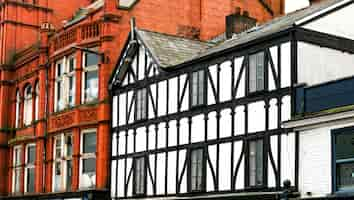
(65, 83)
(62, 168)
(16, 172)
(30, 168)
(90, 77)
(88, 159)
(27, 111)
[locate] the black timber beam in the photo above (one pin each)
(325, 40)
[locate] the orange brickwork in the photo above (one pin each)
(33, 38)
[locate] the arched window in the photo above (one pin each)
(18, 101)
(27, 110)
(36, 101)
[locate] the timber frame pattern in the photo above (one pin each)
(174, 85)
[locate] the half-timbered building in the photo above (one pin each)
(193, 119)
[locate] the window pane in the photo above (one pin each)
(58, 147)
(68, 175)
(71, 90)
(89, 165)
(69, 146)
(141, 104)
(345, 176)
(57, 176)
(344, 146)
(31, 154)
(71, 64)
(197, 92)
(256, 72)
(17, 156)
(139, 174)
(17, 176)
(60, 70)
(91, 85)
(91, 59)
(89, 142)
(30, 180)
(197, 169)
(256, 163)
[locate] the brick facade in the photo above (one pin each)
(33, 39)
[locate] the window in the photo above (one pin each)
(62, 163)
(16, 173)
(27, 112)
(256, 72)
(141, 104)
(88, 159)
(197, 171)
(65, 83)
(36, 101)
(255, 163)
(197, 88)
(90, 77)
(30, 167)
(139, 176)
(18, 103)
(344, 160)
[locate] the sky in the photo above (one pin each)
(291, 5)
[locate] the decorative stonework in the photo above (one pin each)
(62, 121)
(88, 115)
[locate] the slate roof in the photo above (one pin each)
(171, 50)
(274, 26)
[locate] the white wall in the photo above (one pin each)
(318, 65)
(338, 23)
(315, 160)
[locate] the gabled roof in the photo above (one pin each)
(171, 50)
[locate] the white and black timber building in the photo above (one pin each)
(196, 120)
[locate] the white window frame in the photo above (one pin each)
(88, 69)
(63, 159)
(29, 166)
(17, 167)
(28, 106)
(36, 101)
(84, 156)
(64, 78)
(18, 103)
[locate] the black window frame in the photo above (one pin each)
(189, 174)
(264, 166)
(334, 133)
(199, 102)
(145, 160)
(265, 73)
(145, 104)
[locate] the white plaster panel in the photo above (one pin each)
(285, 65)
(256, 117)
(327, 64)
(239, 120)
(151, 113)
(130, 97)
(114, 111)
(113, 178)
(225, 81)
(185, 100)
(122, 143)
(211, 97)
(184, 131)
(171, 186)
(225, 166)
(114, 144)
(120, 178)
(160, 178)
(286, 108)
(225, 123)
(150, 186)
(122, 109)
(211, 126)
(182, 160)
(172, 133)
(273, 114)
(172, 95)
(212, 155)
(152, 135)
(141, 63)
(162, 99)
(288, 158)
(141, 139)
(161, 136)
(198, 128)
(130, 143)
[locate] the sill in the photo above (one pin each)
(199, 106)
(257, 93)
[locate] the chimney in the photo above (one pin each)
(238, 23)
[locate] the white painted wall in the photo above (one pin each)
(315, 160)
(317, 65)
(337, 23)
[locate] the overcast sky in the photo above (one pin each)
(291, 5)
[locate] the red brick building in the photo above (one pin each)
(56, 59)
